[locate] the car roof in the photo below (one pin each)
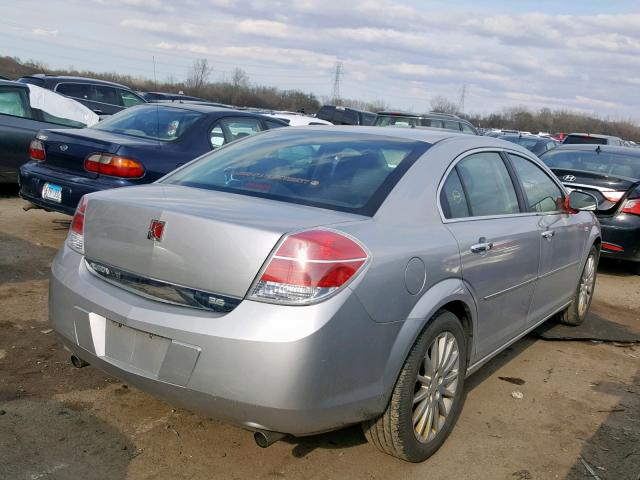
(204, 108)
(11, 83)
(421, 115)
(630, 151)
(594, 135)
(44, 76)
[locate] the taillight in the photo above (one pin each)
(632, 207)
(309, 266)
(612, 247)
(75, 240)
(36, 150)
(613, 196)
(113, 166)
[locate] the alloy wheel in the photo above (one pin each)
(586, 285)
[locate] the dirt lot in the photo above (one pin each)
(581, 402)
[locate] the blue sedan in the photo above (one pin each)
(136, 146)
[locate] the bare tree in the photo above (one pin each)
(443, 105)
(199, 74)
(240, 79)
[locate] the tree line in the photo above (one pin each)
(240, 91)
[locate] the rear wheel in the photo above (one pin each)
(428, 394)
(577, 311)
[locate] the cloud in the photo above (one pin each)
(158, 26)
(41, 32)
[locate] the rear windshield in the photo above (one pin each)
(528, 143)
(342, 171)
(603, 163)
(584, 139)
(154, 121)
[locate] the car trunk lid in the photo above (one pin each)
(211, 241)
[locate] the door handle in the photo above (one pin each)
(548, 234)
(482, 247)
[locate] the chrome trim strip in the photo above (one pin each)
(592, 187)
(193, 298)
(305, 260)
(568, 265)
(509, 289)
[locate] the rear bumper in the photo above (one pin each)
(34, 175)
(296, 370)
(623, 230)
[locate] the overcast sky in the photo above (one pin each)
(581, 55)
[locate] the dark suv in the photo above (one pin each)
(104, 98)
(345, 116)
(431, 119)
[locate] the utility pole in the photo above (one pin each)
(336, 83)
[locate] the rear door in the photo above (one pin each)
(499, 245)
(561, 237)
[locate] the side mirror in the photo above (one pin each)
(579, 200)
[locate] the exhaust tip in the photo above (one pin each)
(265, 438)
(78, 362)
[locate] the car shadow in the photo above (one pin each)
(615, 268)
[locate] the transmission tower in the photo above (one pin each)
(463, 93)
(336, 83)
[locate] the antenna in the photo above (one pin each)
(155, 82)
(336, 83)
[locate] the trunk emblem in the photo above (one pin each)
(156, 230)
(64, 147)
(569, 178)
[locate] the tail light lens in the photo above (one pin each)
(75, 240)
(113, 166)
(309, 266)
(613, 196)
(36, 150)
(612, 247)
(632, 207)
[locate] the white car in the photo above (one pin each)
(296, 120)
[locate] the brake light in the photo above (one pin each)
(75, 240)
(309, 266)
(113, 166)
(613, 196)
(632, 207)
(36, 150)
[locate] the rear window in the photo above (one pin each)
(603, 163)
(341, 171)
(584, 139)
(154, 122)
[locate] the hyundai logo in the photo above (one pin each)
(64, 147)
(569, 178)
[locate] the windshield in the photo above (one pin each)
(342, 171)
(154, 122)
(604, 163)
(528, 143)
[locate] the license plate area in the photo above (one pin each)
(141, 350)
(52, 192)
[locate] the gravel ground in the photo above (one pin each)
(580, 405)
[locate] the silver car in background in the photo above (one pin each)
(305, 279)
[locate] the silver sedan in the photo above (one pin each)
(305, 279)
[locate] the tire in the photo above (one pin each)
(393, 432)
(575, 313)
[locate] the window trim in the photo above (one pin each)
(473, 151)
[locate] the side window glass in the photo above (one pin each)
(487, 185)
(217, 136)
(105, 95)
(449, 125)
(271, 124)
(76, 90)
(452, 197)
(543, 195)
(433, 123)
(12, 103)
(128, 99)
(242, 127)
(467, 129)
